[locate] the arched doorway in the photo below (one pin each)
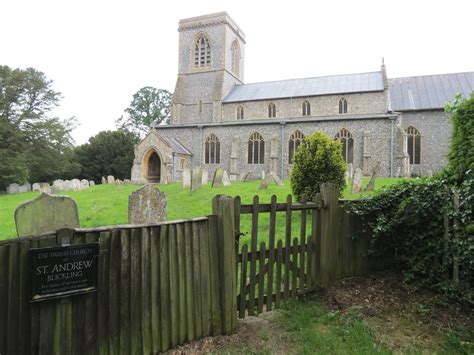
(153, 168)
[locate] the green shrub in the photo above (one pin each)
(317, 160)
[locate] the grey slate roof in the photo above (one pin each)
(176, 146)
(324, 85)
(429, 91)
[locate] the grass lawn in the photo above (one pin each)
(104, 205)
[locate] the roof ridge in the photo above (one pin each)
(430, 75)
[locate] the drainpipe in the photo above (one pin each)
(392, 122)
(282, 142)
(174, 166)
(200, 147)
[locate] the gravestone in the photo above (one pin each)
(375, 172)
(118, 182)
(127, 181)
(217, 179)
(147, 205)
(68, 185)
(225, 179)
(91, 183)
(263, 174)
(266, 182)
(76, 183)
(246, 177)
(276, 179)
(13, 189)
(397, 174)
(103, 180)
(357, 181)
(35, 186)
(45, 214)
(186, 178)
(430, 173)
(196, 179)
(84, 183)
(55, 189)
(45, 188)
(24, 188)
(58, 184)
(110, 179)
(205, 176)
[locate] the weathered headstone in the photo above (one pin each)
(118, 182)
(35, 186)
(58, 185)
(397, 174)
(196, 179)
(266, 182)
(357, 181)
(217, 179)
(246, 176)
(205, 176)
(55, 189)
(24, 188)
(68, 185)
(225, 179)
(147, 205)
(127, 181)
(76, 183)
(45, 214)
(84, 183)
(110, 179)
(186, 178)
(45, 188)
(276, 179)
(91, 183)
(375, 172)
(103, 180)
(263, 174)
(13, 189)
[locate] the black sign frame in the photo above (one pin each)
(63, 271)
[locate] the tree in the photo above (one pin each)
(149, 105)
(107, 153)
(34, 145)
(319, 159)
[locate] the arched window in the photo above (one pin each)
(347, 145)
(235, 53)
(240, 113)
(212, 150)
(202, 52)
(256, 149)
(414, 145)
(342, 105)
(295, 140)
(272, 110)
(306, 108)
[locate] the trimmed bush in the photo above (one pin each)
(317, 160)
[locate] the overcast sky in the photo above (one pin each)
(99, 53)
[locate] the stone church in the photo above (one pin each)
(219, 121)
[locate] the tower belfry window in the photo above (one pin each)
(235, 54)
(202, 52)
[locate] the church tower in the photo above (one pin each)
(211, 62)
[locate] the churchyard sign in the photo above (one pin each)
(63, 271)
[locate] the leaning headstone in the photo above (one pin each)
(84, 184)
(45, 214)
(147, 205)
(246, 177)
(276, 179)
(110, 179)
(205, 176)
(225, 179)
(76, 183)
(375, 172)
(35, 186)
(118, 182)
(91, 183)
(68, 185)
(45, 188)
(186, 178)
(217, 179)
(103, 180)
(25, 187)
(357, 181)
(13, 189)
(266, 182)
(196, 179)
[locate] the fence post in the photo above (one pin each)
(330, 261)
(223, 208)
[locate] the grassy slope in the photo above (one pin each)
(107, 204)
